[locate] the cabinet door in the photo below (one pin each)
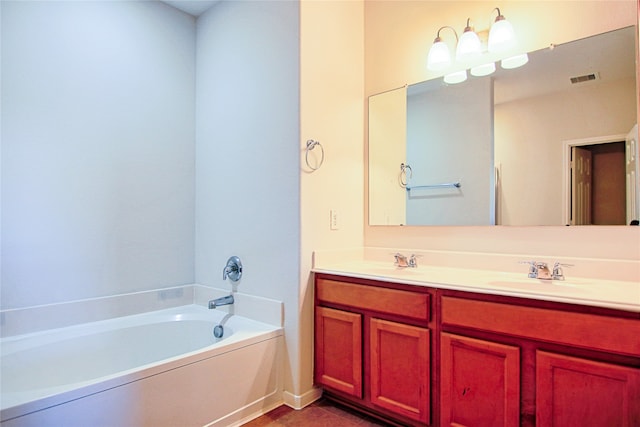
(578, 392)
(338, 350)
(480, 383)
(400, 368)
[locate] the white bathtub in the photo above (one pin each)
(162, 368)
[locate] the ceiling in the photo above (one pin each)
(611, 56)
(192, 7)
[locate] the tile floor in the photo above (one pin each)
(322, 413)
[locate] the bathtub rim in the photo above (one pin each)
(22, 320)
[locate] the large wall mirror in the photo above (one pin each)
(549, 143)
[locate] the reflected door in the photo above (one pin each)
(580, 186)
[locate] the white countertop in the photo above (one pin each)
(616, 294)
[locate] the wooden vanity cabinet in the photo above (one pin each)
(420, 356)
(518, 362)
(373, 347)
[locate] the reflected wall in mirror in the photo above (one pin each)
(507, 139)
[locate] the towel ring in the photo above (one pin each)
(403, 173)
(311, 144)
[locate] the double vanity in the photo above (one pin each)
(448, 346)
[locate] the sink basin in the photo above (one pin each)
(541, 286)
(385, 271)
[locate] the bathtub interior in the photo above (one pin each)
(90, 361)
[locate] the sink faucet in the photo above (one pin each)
(403, 262)
(557, 273)
(539, 270)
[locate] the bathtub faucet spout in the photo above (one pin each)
(228, 300)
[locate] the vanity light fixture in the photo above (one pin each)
(439, 57)
(469, 46)
(502, 41)
(502, 38)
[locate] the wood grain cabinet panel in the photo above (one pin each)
(606, 333)
(400, 368)
(573, 391)
(404, 303)
(338, 350)
(480, 383)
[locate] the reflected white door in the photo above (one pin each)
(580, 186)
(633, 186)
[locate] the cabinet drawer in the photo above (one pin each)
(392, 301)
(616, 335)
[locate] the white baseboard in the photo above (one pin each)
(299, 402)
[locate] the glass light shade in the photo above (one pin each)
(483, 70)
(439, 57)
(514, 61)
(469, 46)
(502, 38)
(456, 77)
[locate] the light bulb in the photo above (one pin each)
(469, 46)
(439, 57)
(502, 37)
(483, 70)
(456, 77)
(514, 61)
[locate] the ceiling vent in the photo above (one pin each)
(585, 78)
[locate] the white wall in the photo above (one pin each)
(396, 54)
(247, 158)
(97, 149)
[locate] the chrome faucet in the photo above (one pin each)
(558, 273)
(233, 269)
(228, 300)
(538, 270)
(403, 262)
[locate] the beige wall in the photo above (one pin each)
(397, 38)
(332, 112)
(387, 136)
(529, 136)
